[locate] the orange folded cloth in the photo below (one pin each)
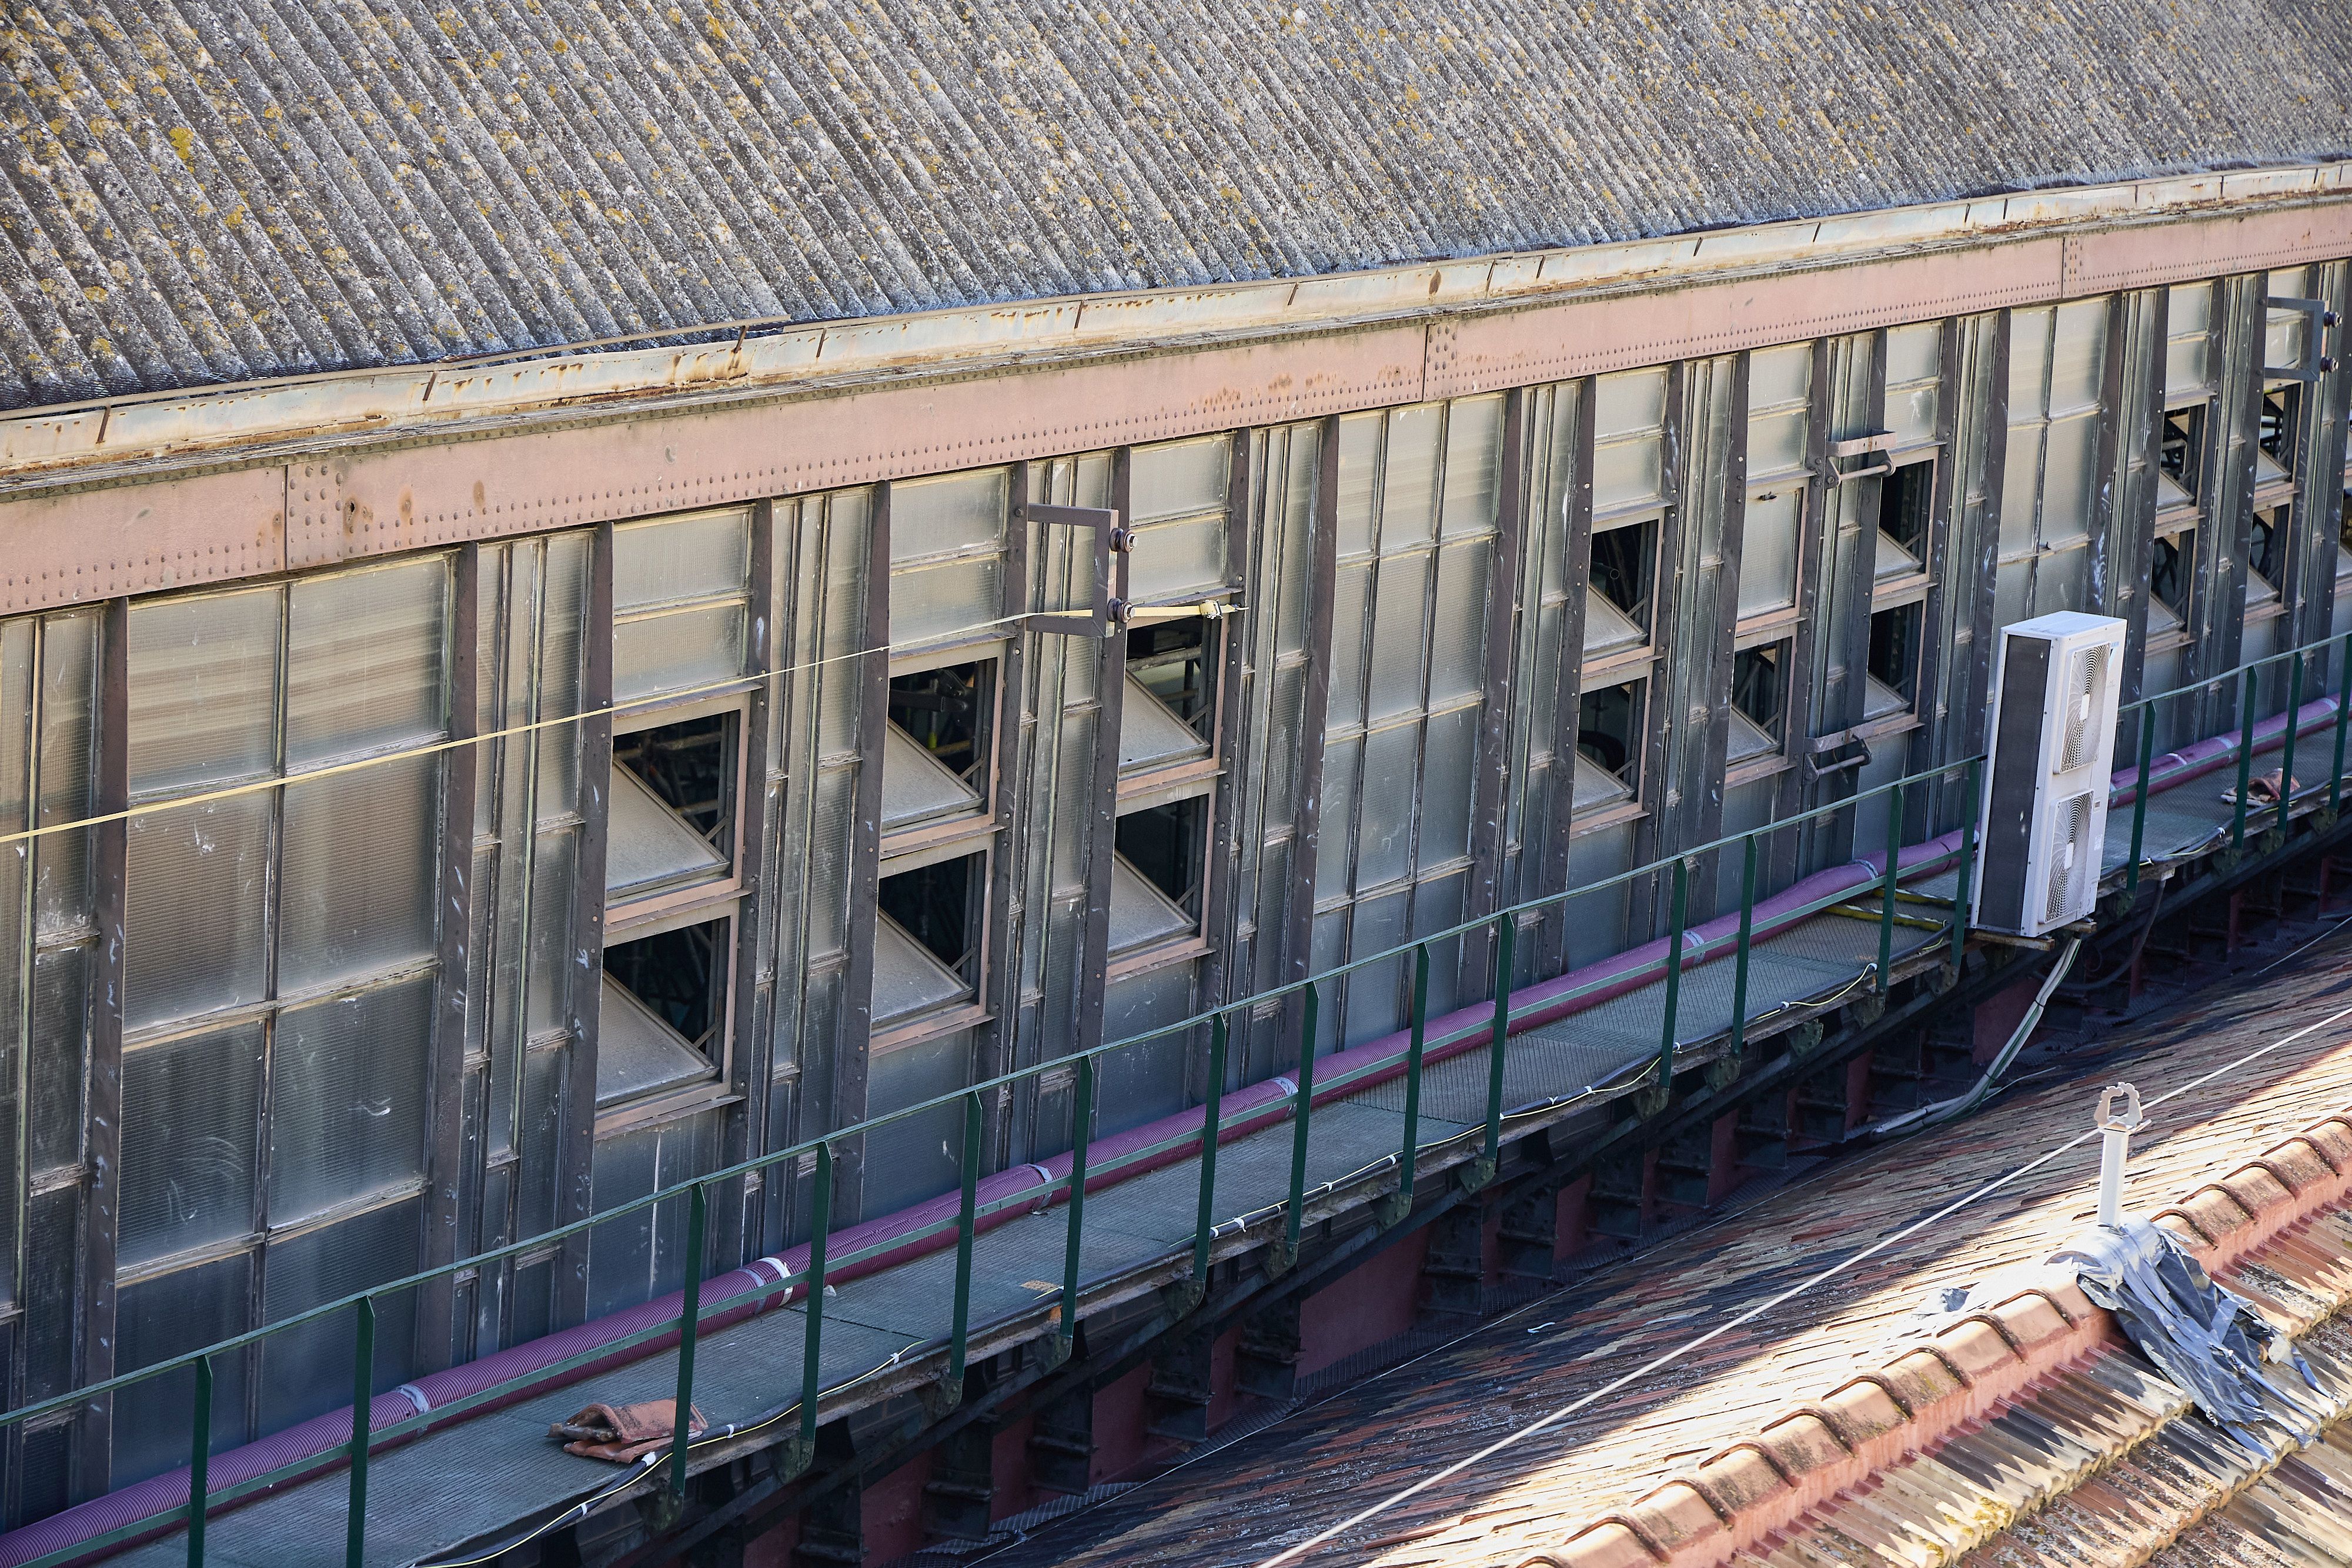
(623, 1432)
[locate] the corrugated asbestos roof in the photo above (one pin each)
(199, 192)
(1331, 1458)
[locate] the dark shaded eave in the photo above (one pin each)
(198, 194)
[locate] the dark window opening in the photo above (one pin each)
(689, 767)
(1608, 730)
(1894, 649)
(1163, 843)
(939, 907)
(948, 711)
(2180, 451)
(1172, 659)
(1904, 498)
(681, 977)
(1621, 563)
(1758, 685)
(2266, 548)
(2169, 573)
(2278, 420)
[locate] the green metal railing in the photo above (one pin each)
(1679, 952)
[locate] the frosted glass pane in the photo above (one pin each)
(1768, 553)
(1342, 760)
(1384, 845)
(705, 556)
(307, 1372)
(363, 660)
(1878, 700)
(203, 689)
(1629, 400)
(2184, 365)
(1457, 650)
(1403, 590)
(61, 860)
(192, 904)
(561, 674)
(2020, 489)
(1360, 439)
(1171, 559)
(1775, 444)
(930, 517)
(2187, 308)
(354, 902)
(637, 1053)
(1449, 784)
(1894, 561)
(1409, 478)
(1140, 914)
(550, 930)
(647, 846)
(1176, 478)
(1779, 375)
(2028, 365)
(2078, 361)
(685, 648)
(1911, 411)
(1746, 740)
(169, 1316)
(1606, 627)
(2068, 479)
(943, 600)
(190, 1111)
(1473, 449)
(1350, 617)
(348, 1098)
(1627, 473)
(1597, 787)
(1913, 353)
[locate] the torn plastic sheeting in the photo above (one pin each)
(2202, 1335)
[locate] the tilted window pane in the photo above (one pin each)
(1140, 914)
(203, 690)
(189, 1110)
(680, 558)
(648, 845)
(196, 887)
(916, 786)
(364, 664)
(907, 981)
(636, 1052)
(357, 886)
(1150, 736)
(348, 1096)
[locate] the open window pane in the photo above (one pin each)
(1140, 914)
(918, 789)
(1150, 736)
(907, 981)
(1624, 559)
(1905, 499)
(1608, 739)
(1597, 787)
(650, 847)
(681, 977)
(637, 1052)
(936, 751)
(1759, 693)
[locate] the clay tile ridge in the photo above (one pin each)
(1807, 1454)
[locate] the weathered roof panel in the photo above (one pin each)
(245, 188)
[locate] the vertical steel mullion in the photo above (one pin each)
(1209, 1108)
(575, 1189)
(850, 1046)
(745, 1131)
(1293, 1223)
(447, 1230)
(363, 1397)
(1490, 831)
(967, 1228)
(1576, 568)
(1007, 772)
(812, 1301)
(1082, 1128)
(102, 1126)
(1314, 710)
(689, 1326)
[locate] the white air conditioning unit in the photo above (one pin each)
(2044, 828)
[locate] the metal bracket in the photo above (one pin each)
(2317, 318)
(1110, 540)
(1824, 745)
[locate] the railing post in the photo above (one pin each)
(1208, 1111)
(689, 1324)
(967, 1225)
(813, 1304)
(2245, 759)
(1739, 953)
(1962, 894)
(200, 1461)
(1887, 899)
(1411, 1152)
(2139, 792)
(2286, 753)
(1673, 973)
(363, 1396)
(1081, 1133)
(2343, 712)
(1504, 932)
(1309, 1013)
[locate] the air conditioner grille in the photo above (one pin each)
(2085, 692)
(2068, 853)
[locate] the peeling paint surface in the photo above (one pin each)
(198, 194)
